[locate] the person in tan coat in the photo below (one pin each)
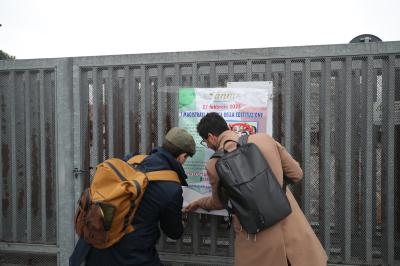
(289, 242)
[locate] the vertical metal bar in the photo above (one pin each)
(78, 145)
(325, 156)
(195, 216)
(162, 110)
(213, 75)
(13, 157)
(231, 247)
(175, 108)
(288, 105)
(176, 114)
(213, 235)
(195, 72)
(86, 118)
(230, 71)
(388, 97)
(306, 113)
(20, 158)
(95, 158)
(42, 155)
(214, 221)
(268, 77)
(175, 97)
(277, 107)
(375, 149)
(195, 75)
(64, 163)
(338, 153)
(195, 233)
(28, 157)
(248, 70)
(49, 76)
(143, 111)
(2, 108)
(127, 108)
(347, 241)
(355, 153)
(268, 71)
(110, 111)
(366, 133)
(161, 106)
(338, 103)
(78, 114)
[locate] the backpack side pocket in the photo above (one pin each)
(81, 212)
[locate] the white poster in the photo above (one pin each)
(247, 110)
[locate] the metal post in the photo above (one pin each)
(64, 157)
(110, 111)
(325, 156)
(127, 111)
(346, 212)
(161, 106)
(43, 169)
(28, 157)
(306, 113)
(288, 106)
(388, 91)
(78, 114)
(143, 111)
(366, 155)
(13, 157)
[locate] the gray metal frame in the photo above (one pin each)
(108, 106)
(62, 108)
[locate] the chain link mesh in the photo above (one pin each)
(28, 185)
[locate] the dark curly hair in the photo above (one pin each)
(212, 123)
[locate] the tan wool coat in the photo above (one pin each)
(292, 238)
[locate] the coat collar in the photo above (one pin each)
(224, 136)
(160, 159)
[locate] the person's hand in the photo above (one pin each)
(191, 207)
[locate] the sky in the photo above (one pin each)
(67, 28)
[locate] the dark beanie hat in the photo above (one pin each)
(182, 139)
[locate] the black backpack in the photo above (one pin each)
(248, 188)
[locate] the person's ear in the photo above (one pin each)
(182, 157)
(212, 139)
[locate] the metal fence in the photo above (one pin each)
(336, 109)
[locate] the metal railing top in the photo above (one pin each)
(312, 51)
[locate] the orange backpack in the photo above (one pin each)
(105, 210)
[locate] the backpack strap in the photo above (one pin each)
(163, 175)
(217, 154)
(243, 139)
(137, 159)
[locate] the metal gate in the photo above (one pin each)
(336, 109)
(36, 185)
